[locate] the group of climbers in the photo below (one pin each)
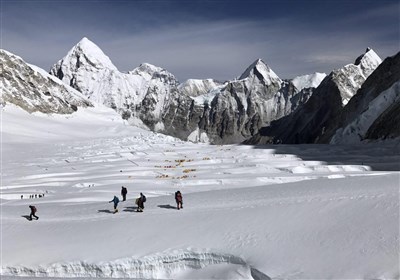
(142, 199)
(139, 202)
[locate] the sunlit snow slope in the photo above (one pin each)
(249, 213)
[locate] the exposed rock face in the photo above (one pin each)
(198, 110)
(236, 112)
(308, 124)
(228, 113)
(34, 90)
(243, 106)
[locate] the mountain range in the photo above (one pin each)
(357, 102)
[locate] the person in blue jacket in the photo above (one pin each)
(116, 201)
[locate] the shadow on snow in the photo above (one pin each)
(378, 156)
(106, 211)
(166, 206)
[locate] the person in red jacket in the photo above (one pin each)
(33, 212)
(140, 202)
(178, 199)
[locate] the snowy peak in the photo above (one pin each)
(368, 61)
(373, 113)
(308, 81)
(88, 53)
(309, 123)
(85, 42)
(149, 71)
(368, 58)
(262, 71)
(196, 87)
(146, 68)
(87, 69)
(350, 77)
(94, 54)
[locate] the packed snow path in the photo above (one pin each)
(248, 213)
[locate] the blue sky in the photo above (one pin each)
(205, 39)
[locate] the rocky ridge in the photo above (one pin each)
(373, 113)
(34, 90)
(309, 123)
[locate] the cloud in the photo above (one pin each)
(194, 46)
(213, 47)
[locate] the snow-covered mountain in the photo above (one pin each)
(258, 97)
(350, 78)
(373, 113)
(308, 81)
(32, 89)
(309, 122)
(260, 70)
(256, 107)
(196, 87)
(142, 96)
(90, 71)
(197, 110)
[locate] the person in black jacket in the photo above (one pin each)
(178, 199)
(33, 212)
(124, 191)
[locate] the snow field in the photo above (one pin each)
(249, 213)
